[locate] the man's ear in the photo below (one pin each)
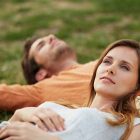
(41, 74)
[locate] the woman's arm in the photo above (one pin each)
(135, 134)
(24, 131)
(41, 116)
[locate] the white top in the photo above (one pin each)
(86, 123)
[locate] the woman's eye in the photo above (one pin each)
(125, 67)
(106, 61)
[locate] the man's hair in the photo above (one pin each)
(29, 65)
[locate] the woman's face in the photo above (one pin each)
(117, 75)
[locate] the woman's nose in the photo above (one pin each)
(111, 70)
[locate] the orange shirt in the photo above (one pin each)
(71, 85)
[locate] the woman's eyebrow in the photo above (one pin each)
(109, 57)
(127, 63)
(123, 61)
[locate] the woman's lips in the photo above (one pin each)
(107, 79)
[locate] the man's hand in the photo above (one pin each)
(24, 131)
(41, 116)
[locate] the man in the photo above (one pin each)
(53, 59)
(45, 57)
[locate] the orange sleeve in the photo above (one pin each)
(16, 96)
(70, 85)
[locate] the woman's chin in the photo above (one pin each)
(104, 92)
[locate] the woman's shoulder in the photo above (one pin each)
(47, 104)
(53, 106)
(136, 121)
(135, 134)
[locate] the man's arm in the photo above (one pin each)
(69, 85)
(16, 96)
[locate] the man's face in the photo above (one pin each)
(49, 50)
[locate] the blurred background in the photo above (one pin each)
(88, 26)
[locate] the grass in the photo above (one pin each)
(88, 26)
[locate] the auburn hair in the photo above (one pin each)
(124, 109)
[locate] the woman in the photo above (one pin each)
(109, 112)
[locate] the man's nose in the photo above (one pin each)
(48, 39)
(51, 37)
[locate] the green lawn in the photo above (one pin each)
(88, 26)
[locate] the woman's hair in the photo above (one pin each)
(124, 109)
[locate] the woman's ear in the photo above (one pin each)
(41, 74)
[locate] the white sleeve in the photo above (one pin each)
(136, 121)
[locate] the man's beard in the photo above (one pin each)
(61, 52)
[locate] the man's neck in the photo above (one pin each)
(66, 65)
(69, 64)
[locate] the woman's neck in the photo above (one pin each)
(101, 103)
